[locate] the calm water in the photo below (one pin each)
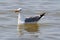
(49, 25)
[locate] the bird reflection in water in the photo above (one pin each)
(31, 28)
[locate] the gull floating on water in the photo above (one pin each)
(29, 24)
(29, 19)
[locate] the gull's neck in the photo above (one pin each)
(19, 15)
(19, 18)
(20, 21)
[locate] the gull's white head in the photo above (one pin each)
(18, 10)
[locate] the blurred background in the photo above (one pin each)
(49, 25)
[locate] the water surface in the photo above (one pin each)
(49, 25)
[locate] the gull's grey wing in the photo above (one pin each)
(34, 19)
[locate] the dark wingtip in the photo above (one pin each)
(43, 14)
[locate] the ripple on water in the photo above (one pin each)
(50, 24)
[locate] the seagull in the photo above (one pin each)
(29, 19)
(29, 24)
